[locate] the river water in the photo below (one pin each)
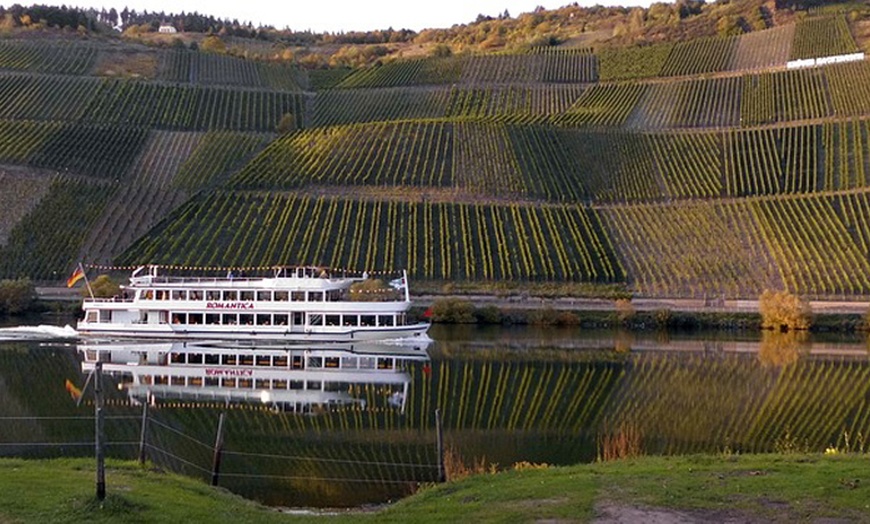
(349, 425)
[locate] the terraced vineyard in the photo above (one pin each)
(819, 37)
(690, 168)
(45, 242)
(436, 241)
(136, 103)
(45, 57)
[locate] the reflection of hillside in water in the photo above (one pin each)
(340, 436)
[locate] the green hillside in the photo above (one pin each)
(689, 167)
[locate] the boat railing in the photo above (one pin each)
(100, 300)
(152, 280)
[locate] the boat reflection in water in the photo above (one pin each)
(292, 379)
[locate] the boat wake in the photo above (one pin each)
(40, 332)
(406, 341)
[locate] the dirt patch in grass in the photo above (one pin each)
(127, 65)
(612, 513)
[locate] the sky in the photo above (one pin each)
(344, 15)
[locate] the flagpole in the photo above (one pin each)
(87, 283)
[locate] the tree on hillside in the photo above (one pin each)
(213, 44)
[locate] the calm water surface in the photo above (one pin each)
(347, 425)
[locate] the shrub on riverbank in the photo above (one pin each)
(783, 311)
(17, 296)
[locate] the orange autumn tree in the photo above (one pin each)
(783, 311)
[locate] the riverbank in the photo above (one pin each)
(639, 314)
(736, 488)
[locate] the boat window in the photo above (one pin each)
(177, 381)
(333, 320)
(212, 318)
(194, 381)
(229, 382)
(296, 384)
(145, 379)
(366, 362)
(179, 318)
(246, 319)
(297, 318)
(264, 296)
(367, 320)
(105, 316)
(348, 362)
(280, 320)
(263, 383)
(177, 358)
(246, 296)
(196, 295)
(297, 296)
(212, 294)
(400, 320)
(264, 360)
(211, 358)
(280, 361)
(279, 383)
(385, 363)
(385, 320)
(246, 360)
(297, 362)
(264, 320)
(194, 318)
(314, 362)
(315, 319)
(331, 362)
(161, 380)
(282, 296)
(148, 294)
(212, 382)
(246, 383)
(91, 317)
(351, 320)
(179, 294)
(315, 296)
(229, 319)
(228, 360)
(194, 358)
(333, 295)
(314, 385)
(230, 295)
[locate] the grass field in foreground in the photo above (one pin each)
(747, 488)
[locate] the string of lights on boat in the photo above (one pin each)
(331, 270)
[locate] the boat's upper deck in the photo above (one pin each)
(301, 279)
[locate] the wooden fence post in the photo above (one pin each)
(144, 427)
(99, 436)
(439, 443)
(218, 449)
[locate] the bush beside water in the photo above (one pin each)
(461, 311)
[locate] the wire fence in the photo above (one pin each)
(203, 459)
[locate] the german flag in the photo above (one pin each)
(73, 391)
(77, 275)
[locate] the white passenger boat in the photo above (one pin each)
(293, 304)
(306, 379)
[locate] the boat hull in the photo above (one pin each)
(165, 331)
